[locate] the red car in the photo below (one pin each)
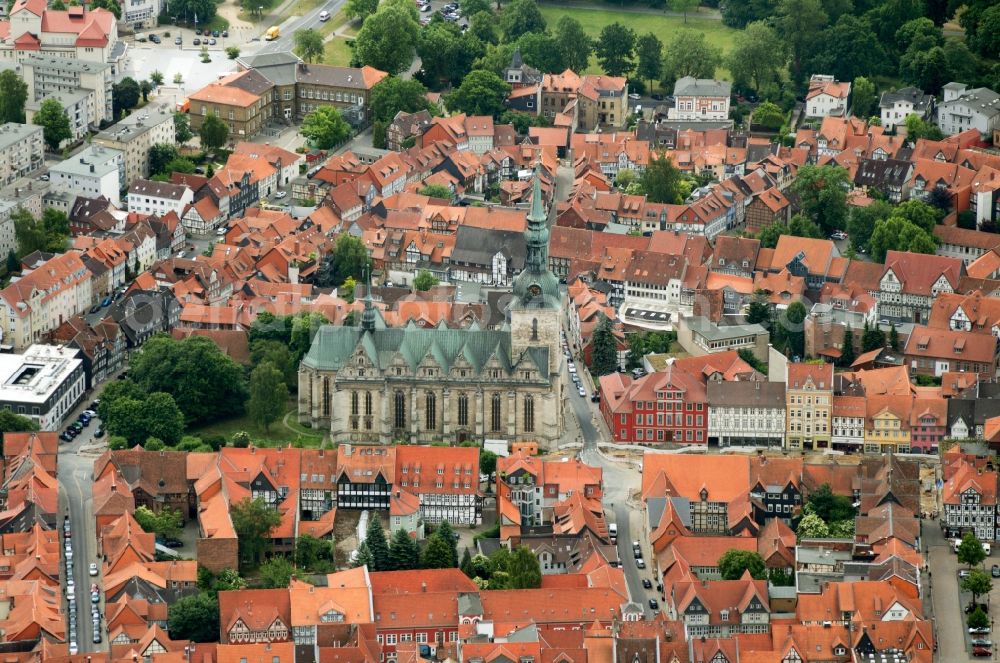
(981, 651)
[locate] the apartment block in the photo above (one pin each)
(22, 151)
(159, 198)
(96, 171)
(808, 405)
(46, 75)
(135, 136)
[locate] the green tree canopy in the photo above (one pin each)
(812, 527)
(138, 419)
(822, 191)
(520, 17)
(205, 383)
(194, 618)
(661, 180)
(325, 127)
(863, 221)
(575, 46)
(182, 127)
(14, 423)
(276, 573)
(52, 118)
(424, 281)
(387, 40)
(899, 234)
(524, 569)
(689, 54)
(213, 133)
(970, 550)
(13, 96)
(377, 544)
(757, 57)
(604, 357)
(392, 95)
(829, 506)
(313, 554)
(348, 258)
(309, 44)
(615, 49)
(978, 619)
(160, 155)
(541, 50)
(166, 522)
(799, 23)
(446, 53)
(404, 553)
(278, 354)
(769, 114)
(437, 553)
(29, 232)
(481, 93)
(125, 95)
(268, 395)
(649, 49)
(360, 9)
(253, 521)
(865, 96)
(977, 583)
(487, 462)
(734, 563)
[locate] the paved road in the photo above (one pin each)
(288, 28)
(75, 479)
(948, 616)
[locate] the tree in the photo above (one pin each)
(253, 521)
(194, 618)
(387, 40)
(154, 444)
(156, 78)
(481, 93)
(309, 44)
(145, 87)
(689, 54)
(166, 522)
(278, 354)
(392, 95)
(757, 57)
(872, 338)
(325, 127)
(377, 544)
(13, 96)
(52, 118)
(313, 554)
(159, 156)
(977, 583)
(970, 551)
(13, 266)
(865, 97)
(524, 570)
(435, 191)
(520, 17)
(615, 49)
(487, 462)
(650, 52)
(987, 41)
(769, 115)
(793, 330)
(899, 234)
(206, 384)
(232, 52)
(893, 338)
(604, 358)
(863, 220)
(917, 128)
(437, 554)
(446, 54)
(111, 5)
(404, 553)
(466, 564)
(848, 49)
(822, 191)
(758, 311)
(829, 506)
(978, 619)
(125, 95)
(182, 128)
(473, 7)
(14, 423)
(348, 258)
(799, 22)
(483, 26)
(445, 531)
(574, 44)
(268, 395)
(276, 573)
(214, 133)
(812, 527)
(847, 354)
(28, 231)
(424, 281)
(683, 6)
(734, 563)
(360, 9)
(541, 51)
(661, 180)
(363, 557)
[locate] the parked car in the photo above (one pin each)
(99, 432)
(95, 597)
(582, 392)
(653, 604)
(982, 630)
(982, 651)
(106, 302)
(981, 642)
(640, 563)
(93, 568)
(964, 573)
(44, 178)
(196, 42)
(178, 41)
(281, 194)
(225, 33)
(215, 33)
(95, 308)
(647, 583)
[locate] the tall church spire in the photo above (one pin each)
(536, 286)
(368, 316)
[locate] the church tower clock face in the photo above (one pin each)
(534, 290)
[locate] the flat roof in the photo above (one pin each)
(95, 160)
(66, 64)
(713, 332)
(34, 376)
(136, 124)
(12, 132)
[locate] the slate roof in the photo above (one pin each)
(334, 346)
(477, 246)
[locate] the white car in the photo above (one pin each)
(73, 649)
(324, 16)
(221, 232)
(280, 195)
(70, 591)
(93, 568)
(582, 392)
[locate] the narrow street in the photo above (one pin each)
(76, 465)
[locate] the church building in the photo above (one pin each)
(373, 384)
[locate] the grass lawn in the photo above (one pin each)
(337, 52)
(278, 435)
(664, 27)
(337, 20)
